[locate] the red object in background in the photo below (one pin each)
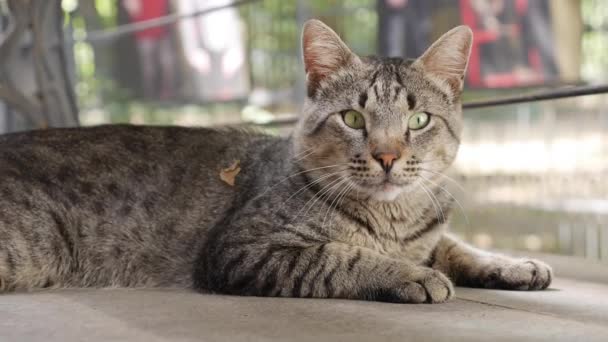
(481, 37)
(151, 9)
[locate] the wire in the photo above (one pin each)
(113, 33)
(539, 96)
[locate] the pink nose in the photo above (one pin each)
(386, 159)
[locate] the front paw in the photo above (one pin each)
(426, 286)
(518, 274)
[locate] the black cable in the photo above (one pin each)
(108, 34)
(539, 96)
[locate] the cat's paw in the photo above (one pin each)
(519, 274)
(428, 286)
(437, 286)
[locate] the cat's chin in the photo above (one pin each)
(386, 193)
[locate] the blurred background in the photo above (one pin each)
(531, 176)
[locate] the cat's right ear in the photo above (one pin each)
(446, 60)
(324, 53)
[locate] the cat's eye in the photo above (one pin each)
(419, 121)
(354, 119)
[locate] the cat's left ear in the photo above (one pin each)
(447, 59)
(324, 53)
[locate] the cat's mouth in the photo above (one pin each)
(386, 190)
(387, 182)
(387, 185)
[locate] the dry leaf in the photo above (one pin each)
(229, 174)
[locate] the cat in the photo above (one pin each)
(350, 205)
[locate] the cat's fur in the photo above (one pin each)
(311, 215)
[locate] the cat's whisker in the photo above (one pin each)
(417, 213)
(428, 161)
(341, 197)
(329, 192)
(297, 174)
(437, 206)
(304, 152)
(425, 165)
(350, 187)
(304, 157)
(326, 190)
(343, 190)
(446, 177)
(414, 208)
(454, 198)
(318, 195)
(315, 169)
(309, 185)
(443, 218)
(338, 190)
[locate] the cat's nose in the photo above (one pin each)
(386, 159)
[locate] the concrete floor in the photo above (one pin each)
(570, 310)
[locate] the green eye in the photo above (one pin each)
(354, 119)
(419, 121)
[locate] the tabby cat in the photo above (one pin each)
(350, 205)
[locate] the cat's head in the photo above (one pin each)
(380, 126)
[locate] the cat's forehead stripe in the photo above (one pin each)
(411, 101)
(398, 77)
(385, 70)
(374, 78)
(363, 99)
(397, 92)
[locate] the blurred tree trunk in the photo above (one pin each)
(34, 73)
(568, 30)
(91, 17)
(126, 70)
(101, 50)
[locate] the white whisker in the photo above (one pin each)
(450, 194)
(334, 201)
(446, 177)
(436, 206)
(296, 174)
(303, 152)
(319, 195)
(417, 212)
(309, 185)
(350, 187)
(304, 157)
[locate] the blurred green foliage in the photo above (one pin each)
(595, 40)
(108, 12)
(273, 31)
(273, 38)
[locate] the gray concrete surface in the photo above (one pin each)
(570, 310)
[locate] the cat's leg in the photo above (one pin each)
(4, 272)
(32, 255)
(469, 266)
(329, 270)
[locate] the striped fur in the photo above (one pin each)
(310, 215)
